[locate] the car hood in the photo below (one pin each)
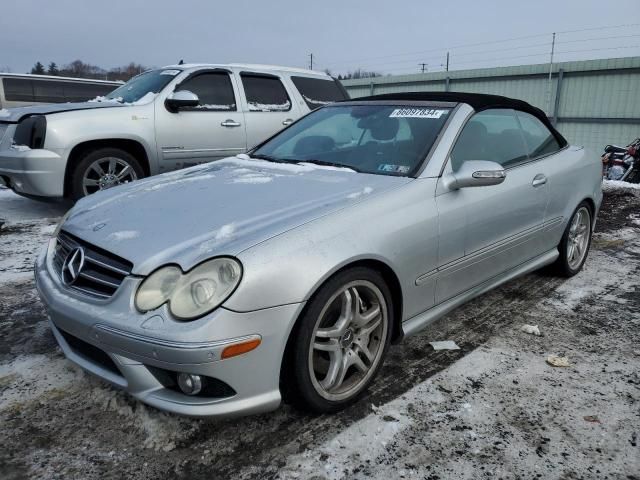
(220, 208)
(14, 115)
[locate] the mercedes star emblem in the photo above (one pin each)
(72, 266)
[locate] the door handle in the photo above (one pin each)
(538, 180)
(288, 121)
(230, 123)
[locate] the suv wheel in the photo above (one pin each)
(104, 168)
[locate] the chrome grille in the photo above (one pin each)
(102, 273)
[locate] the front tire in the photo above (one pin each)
(341, 340)
(103, 168)
(575, 243)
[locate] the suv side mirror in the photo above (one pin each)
(475, 173)
(181, 99)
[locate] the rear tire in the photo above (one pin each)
(348, 323)
(575, 243)
(103, 168)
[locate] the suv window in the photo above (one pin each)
(51, 91)
(318, 92)
(540, 141)
(17, 89)
(265, 93)
(214, 90)
(493, 135)
(81, 92)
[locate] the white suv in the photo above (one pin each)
(161, 120)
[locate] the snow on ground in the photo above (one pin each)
(28, 226)
(610, 185)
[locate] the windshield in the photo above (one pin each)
(380, 139)
(147, 83)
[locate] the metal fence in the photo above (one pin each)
(592, 102)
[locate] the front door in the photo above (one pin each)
(212, 130)
(485, 231)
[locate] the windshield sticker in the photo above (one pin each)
(173, 73)
(385, 167)
(417, 113)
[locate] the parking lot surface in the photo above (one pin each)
(494, 408)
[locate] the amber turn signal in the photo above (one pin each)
(240, 348)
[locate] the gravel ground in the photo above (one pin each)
(492, 409)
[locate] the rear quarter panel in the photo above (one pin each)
(574, 175)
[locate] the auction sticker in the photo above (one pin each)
(417, 113)
(173, 73)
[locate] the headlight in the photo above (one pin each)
(31, 132)
(190, 294)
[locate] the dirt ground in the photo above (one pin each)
(493, 409)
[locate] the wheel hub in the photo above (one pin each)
(107, 181)
(347, 339)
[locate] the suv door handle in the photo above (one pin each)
(538, 180)
(288, 121)
(230, 123)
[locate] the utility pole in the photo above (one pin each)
(311, 61)
(424, 67)
(447, 68)
(553, 46)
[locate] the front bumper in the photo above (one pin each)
(38, 173)
(137, 346)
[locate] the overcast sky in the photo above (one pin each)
(390, 36)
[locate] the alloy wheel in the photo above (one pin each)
(578, 240)
(348, 340)
(106, 173)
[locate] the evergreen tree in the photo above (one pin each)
(38, 69)
(53, 69)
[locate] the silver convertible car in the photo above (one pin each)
(286, 272)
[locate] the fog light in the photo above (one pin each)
(190, 384)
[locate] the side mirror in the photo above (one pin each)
(181, 99)
(475, 173)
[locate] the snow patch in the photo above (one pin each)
(269, 107)
(253, 178)
(101, 99)
(123, 235)
(4, 113)
(20, 148)
(225, 231)
(364, 191)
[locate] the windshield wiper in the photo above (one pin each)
(329, 164)
(269, 158)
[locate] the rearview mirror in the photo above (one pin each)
(181, 99)
(475, 173)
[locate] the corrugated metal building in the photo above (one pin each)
(592, 102)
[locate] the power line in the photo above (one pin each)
(342, 62)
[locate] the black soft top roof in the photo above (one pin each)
(479, 102)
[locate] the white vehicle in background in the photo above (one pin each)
(21, 90)
(161, 120)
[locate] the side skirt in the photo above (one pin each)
(422, 320)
